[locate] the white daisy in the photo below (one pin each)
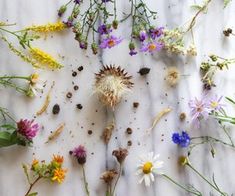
(35, 84)
(147, 167)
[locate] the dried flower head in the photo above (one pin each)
(120, 154)
(111, 84)
(108, 176)
(183, 160)
(172, 76)
(80, 154)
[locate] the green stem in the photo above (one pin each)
(10, 32)
(118, 177)
(32, 184)
(15, 77)
(181, 186)
(4, 113)
(85, 181)
(229, 137)
(10, 84)
(205, 179)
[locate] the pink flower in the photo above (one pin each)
(110, 41)
(199, 110)
(151, 47)
(215, 104)
(27, 129)
(79, 153)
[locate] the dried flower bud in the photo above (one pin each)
(108, 133)
(94, 48)
(108, 176)
(213, 57)
(144, 71)
(115, 24)
(131, 46)
(227, 32)
(183, 160)
(172, 76)
(120, 154)
(62, 10)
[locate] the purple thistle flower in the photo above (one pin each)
(27, 129)
(104, 29)
(215, 104)
(199, 110)
(182, 140)
(110, 41)
(151, 47)
(80, 154)
(142, 35)
(157, 32)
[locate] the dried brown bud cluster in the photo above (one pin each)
(120, 154)
(172, 76)
(111, 84)
(108, 176)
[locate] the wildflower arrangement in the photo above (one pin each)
(35, 56)
(80, 154)
(211, 66)
(39, 170)
(33, 84)
(20, 133)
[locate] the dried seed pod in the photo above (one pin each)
(144, 71)
(172, 76)
(56, 133)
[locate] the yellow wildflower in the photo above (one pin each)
(44, 59)
(50, 27)
(59, 175)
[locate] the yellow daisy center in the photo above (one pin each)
(214, 104)
(147, 167)
(152, 47)
(111, 43)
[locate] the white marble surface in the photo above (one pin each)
(152, 98)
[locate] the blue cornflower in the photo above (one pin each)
(182, 140)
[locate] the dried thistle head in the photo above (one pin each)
(108, 176)
(172, 76)
(111, 84)
(120, 154)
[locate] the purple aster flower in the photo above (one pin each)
(157, 32)
(182, 140)
(80, 154)
(215, 104)
(110, 41)
(142, 36)
(199, 110)
(27, 129)
(151, 47)
(104, 29)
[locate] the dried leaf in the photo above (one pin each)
(56, 133)
(158, 118)
(46, 102)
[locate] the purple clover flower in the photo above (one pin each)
(199, 110)
(104, 29)
(142, 35)
(110, 41)
(80, 154)
(157, 32)
(182, 140)
(151, 47)
(27, 129)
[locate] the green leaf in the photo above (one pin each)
(229, 99)
(6, 139)
(33, 194)
(8, 127)
(226, 2)
(196, 7)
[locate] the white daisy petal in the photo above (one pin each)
(147, 180)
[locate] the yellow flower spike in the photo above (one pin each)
(59, 175)
(44, 58)
(50, 27)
